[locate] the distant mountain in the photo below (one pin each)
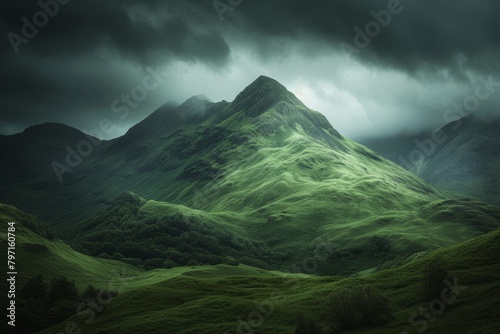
(465, 159)
(31, 152)
(263, 166)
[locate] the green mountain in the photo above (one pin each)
(463, 159)
(244, 299)
(270, 178)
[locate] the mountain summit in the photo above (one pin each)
(264, 164)
(262, 87)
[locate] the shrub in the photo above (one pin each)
(373, 308)
(61, 288)
(381, 244)
(132, 261)
(342, 311)
(104, 256)
(117, 256)
(434, 279)
(193, 262)
(231, 261)
(169, 264)
(90, 293)
(34, 288)
(62, 310)
(307, 326)
(153, 264)
(351, 309)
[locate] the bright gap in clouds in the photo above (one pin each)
(316, 89)
(340, 107)
(359, 101)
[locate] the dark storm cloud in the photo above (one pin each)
(425, 35)
(71, 66)
(93, 51)
(83, 27)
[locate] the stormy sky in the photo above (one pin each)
(374, 68)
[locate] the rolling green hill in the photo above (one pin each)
(225, 298)
(158, 234)
(243, 299)
(39, 252)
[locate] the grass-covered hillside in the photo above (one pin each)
(163, 235)
(41, 257)
(244, 299)
(155, 234)
(264, 148)
(262, 177)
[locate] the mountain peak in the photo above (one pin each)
(196, 103)
(48, 126)
(49, 130)
(261, 94)
(263, 80)
(197, 98)
(264, 84)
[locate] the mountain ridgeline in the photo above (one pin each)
(465, 159)
(263, 179)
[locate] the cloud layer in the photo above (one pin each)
(423, 57)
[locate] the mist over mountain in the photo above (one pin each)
(464, 159)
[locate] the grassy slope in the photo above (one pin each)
(213, 299)
(37, 255)
(265, 146)
(281, 172)
(275, 168)
(371, 241)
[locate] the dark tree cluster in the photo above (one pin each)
(45, 304)
(348, 310)
(123, 233)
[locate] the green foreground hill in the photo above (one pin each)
(158, 234)
(243, 299)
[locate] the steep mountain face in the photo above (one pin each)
(264, 165)
(466, 160)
